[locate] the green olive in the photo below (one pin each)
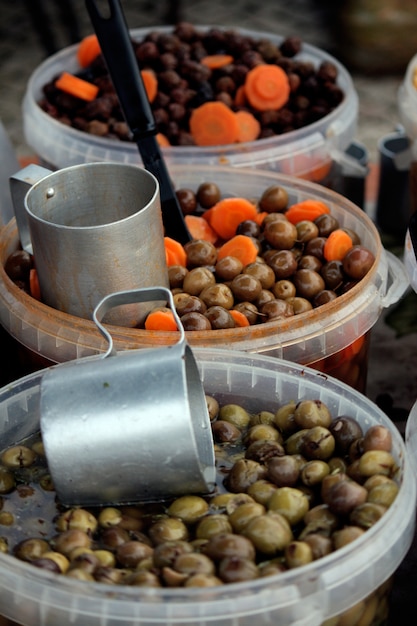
(18, 456)
(188, 508)
(269, 533)
(313, 472)
(168, 529)
(292, 503)
(241, 516)
(213, 525)
(298, 553)
(235, 414)
(309, 413)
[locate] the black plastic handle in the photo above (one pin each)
(117, 49)
(116, 46)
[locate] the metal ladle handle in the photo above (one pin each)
(134, 296)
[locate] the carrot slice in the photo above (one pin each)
(150, 82)
(306, 210)
(267, 87)
(216, 61)
(213, 124)
(174, 252)
(76, 87)
(336, 245)
(199, 228)
(240, 96)
(239, 319)
(161, 319)
(259, 217)
(226, 215)
(241, 247)
(249, 126)
(88, 50)
(34, 287)
(162, 140)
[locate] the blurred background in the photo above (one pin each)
(374, 39)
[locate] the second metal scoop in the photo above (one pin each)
(127, 427)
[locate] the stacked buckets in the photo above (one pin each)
(311, 359)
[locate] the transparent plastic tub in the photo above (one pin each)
(410, 261)
(333, 338)
(407, 99)
(308, 152)
(357, 575)
(411, 437)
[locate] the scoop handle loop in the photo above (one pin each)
(133, 296)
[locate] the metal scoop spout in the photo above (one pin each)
(128, 427)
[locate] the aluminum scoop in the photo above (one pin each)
(127, 427)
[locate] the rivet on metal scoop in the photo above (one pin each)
(127, 427)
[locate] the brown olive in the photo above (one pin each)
(262, 272)
(246, 287)
(243, 473)
(357, 262)
(306, 230)
(284, 289)
(281, 234)
(283, 263)
(345, 430)
(217, 295)
(187, 200)
(223, 545)
(18, 265)
(200, 252)
(300, 305)
(225, 432)
(176, 275)
(197, 279)
(248, 228)
(208, 194)
(377, 437)
(195, 321)
(189, 304)
(326, 223)
(30, 549)
(131, 553)
(261, 450)
(310, 262)
(165, 553)
(276, 310)
(228, 267)
(274, 199)
(283, 470)
(219, 317)
(343, 496)
(308, 283)
(249, 310)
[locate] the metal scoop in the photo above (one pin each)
(127, 427)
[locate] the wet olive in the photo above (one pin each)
(188, 508)
(274, 199)
(281, 234)
(284, 289)
(200, 252)
(217, 295)
(309, 413)
(269, 533)
(262, 272)
(308, 283)
(195, 321)
(246, 287)
(283, 470)
(176, 275)
(208, 194)
(228, 267)
(219, 317)
(187, 200)
(276, 310)
(197, 279)
(357, 262)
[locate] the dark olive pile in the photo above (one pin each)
(184, 84)
(293, 485)
(289, 277)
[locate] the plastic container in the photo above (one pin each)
(407, 99)
(333, 338)
(308, 152)
(411, 437)
(410, 261)
(311, 595)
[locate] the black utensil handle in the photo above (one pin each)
(116, 46)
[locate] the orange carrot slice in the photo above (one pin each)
(306, 210)
(76, 87)
(216, 61)
(336, 245)
(162, 140)
(34, 287)
(226, 215)
(240, 96)
(213, 124)
(241, 247)
(150, 82)
(174, 252)
(88, 50)
(249, 126)
(161, 319)
(199, 228)
(267, 87)
(239, 319)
